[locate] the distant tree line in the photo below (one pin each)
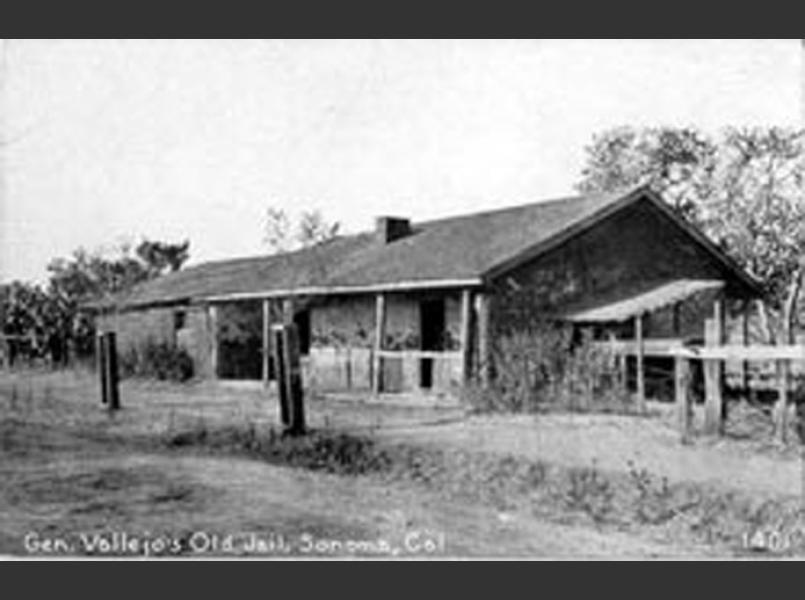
(47, 321)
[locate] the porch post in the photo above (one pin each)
(266, 340)
(212, 322)
(745, 313)
(714, 408)
(380, 332)
(641, 371)
(466, 335)
(482, 311)
(287, 310)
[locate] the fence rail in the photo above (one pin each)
(676, 348)
(714, 356)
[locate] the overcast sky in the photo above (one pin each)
(109, 140)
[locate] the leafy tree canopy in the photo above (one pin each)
(742, 187)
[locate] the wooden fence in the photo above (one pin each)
(714, 356)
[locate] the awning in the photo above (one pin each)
(647, 301)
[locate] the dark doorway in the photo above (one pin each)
(302, 321)
(431, 327)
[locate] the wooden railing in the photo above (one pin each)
(713, 358)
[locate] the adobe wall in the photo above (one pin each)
(342, 338)
(629, 252)
(136, 328)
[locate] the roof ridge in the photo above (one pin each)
(613, 197)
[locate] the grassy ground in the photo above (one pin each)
(197, 470)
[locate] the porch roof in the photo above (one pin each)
(650, 300)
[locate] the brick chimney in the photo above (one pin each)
(389, 229)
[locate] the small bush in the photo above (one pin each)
(157, 360)
(589, 491)
(546, 367)
(655, 503)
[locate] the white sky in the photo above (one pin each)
(194, 139)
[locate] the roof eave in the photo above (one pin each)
(400, 286)
(753, 287)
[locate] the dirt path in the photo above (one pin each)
(270, 511)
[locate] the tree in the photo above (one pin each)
(277, 230)
(676, 163)
(742, 187)
(311, 229)
(52, 316)
(160, 257)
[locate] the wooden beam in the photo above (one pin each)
(380, 332)
(641, 368)
(288, 309)
(682, 396)
(720, 318)
(266, 370)
(420, 354)
(212, 323)
(781, 406)
(650, 347)
(676, 318)
(482, 312)
(713, 402)
(466, 335)
(759, 353)
(745, 313)
(112, 374)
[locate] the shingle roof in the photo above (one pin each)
(461, 248)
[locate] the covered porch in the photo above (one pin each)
(426, 338)
(643, 330)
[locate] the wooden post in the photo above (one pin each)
(278, 346)
(781, 406)
(745, 313)
(288, 309)
(285, 345)
(212, 323)
(641, 368)
(266, 368)
(112, 378)
(380, 332)
(484, 355)
(720, 318)
(100, 363)
(466, 335)
(713, 401)
(676, 319)
(682, 395)
(293, 380)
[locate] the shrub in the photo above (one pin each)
(157, 360)
(589, 491)
(544, 366)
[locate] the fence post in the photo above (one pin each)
(713, 401)
(781, 406)
(466, 335)
(483, 364)
(100, 364)
(266, 365)
(278, 347)
(380, 332)
(294, 380)
(641, 367)
(289, 378)
(112, 378)
(682, 395)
